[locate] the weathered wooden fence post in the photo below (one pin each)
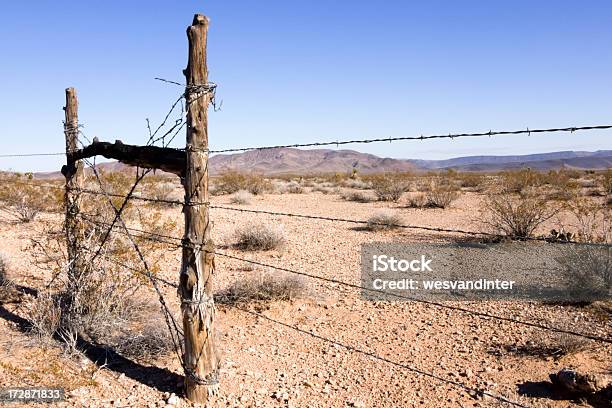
(73, 172)
(195, 289)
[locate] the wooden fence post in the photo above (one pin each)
(197, 268)
(73, 172)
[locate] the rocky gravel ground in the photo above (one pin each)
(267, 364)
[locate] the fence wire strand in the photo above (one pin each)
(177, 242)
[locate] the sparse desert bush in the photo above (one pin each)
(383, 219)
(4, 274)
(357, 196)
(232, 181)
(241, 197)
(471, 180)
(417, 201)
(6, 284)
(264, 288)
(284, 187)
(93, 301)
(593, 220)
(388, 187)
(519, 180)
(437, 196)
(22, 199)
(161, 191)
(260, 237)
(517, 217)
(356, 184)
(607, 182)
(556, 346)
(293, 187)
(441, 196)
(45, 315)
(587, 272)
(149, 341)
(322, 188)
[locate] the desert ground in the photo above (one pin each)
(266, 364)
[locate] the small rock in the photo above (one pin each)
(580, 383)
(173, 400)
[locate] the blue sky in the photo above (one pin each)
(293, 72)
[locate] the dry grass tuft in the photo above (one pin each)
(264, 288)
(357, 196)
(260, 237)
(383, 219)
(241, 197)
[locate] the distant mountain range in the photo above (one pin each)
(289, 160)
(296, 161)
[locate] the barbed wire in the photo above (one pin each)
(177, 242)
(210, 89)
(490, 133)
(32, 154)
(346, 346)
(489, 235)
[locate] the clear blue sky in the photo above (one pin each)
(293, 71)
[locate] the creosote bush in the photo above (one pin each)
(517, 217)
(383, 219)
(260, 237)
(263, 288)
(22, 199)
(232, 181)
(388, 187)
(241, 197)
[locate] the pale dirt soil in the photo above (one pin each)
(267, 365)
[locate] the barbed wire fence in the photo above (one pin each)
(118, 225)
(165, 133)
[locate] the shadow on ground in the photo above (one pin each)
(548, 390)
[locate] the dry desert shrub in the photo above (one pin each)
(4, 274)
(23, 198)
(593, 220)
(438, 195)
(241, 197)
(473, 181)
(293, 187)
(356, 184)
(322, 188)
(161, 191)
(517, 217)
(264, 288)
(232, 181)
(389, 187)
(383, 219)
(259, 237)
(555, 346)
(587, 272)
(45, 315)
(357, 196)
(98, 300)
(607, 182)
(519, 180)
(6, 284)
